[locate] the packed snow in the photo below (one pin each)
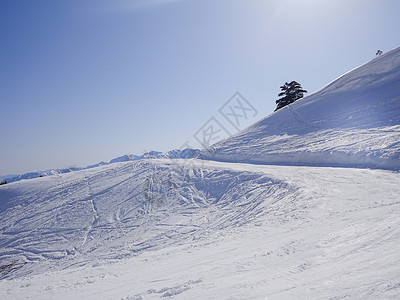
(269, 213)
(154, 229)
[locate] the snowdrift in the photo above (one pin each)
(352, 122)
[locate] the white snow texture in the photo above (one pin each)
(279, 211)
(352, 122)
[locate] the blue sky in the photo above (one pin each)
(86, 81)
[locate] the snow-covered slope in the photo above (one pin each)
(199, 229)
(353, 121)
(154, 226)
(122, 209)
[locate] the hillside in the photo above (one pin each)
(352, 122)
(158, 226)
(157, 229)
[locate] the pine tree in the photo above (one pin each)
(292, 92)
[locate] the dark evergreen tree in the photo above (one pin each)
(292, 92)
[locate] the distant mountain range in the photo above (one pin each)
(173, 154)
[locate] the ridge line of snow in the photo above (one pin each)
(172, 154)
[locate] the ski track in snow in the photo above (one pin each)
(152, 201)
(234, 229)
(216, 229)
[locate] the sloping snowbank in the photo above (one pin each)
(370, 148)
(353, 121)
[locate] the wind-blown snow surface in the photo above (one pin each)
(216, 231)
(353, 122)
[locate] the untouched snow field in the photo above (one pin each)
(225, 231)
(235, 229)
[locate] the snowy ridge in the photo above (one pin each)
(352, 122)
(173, 154)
